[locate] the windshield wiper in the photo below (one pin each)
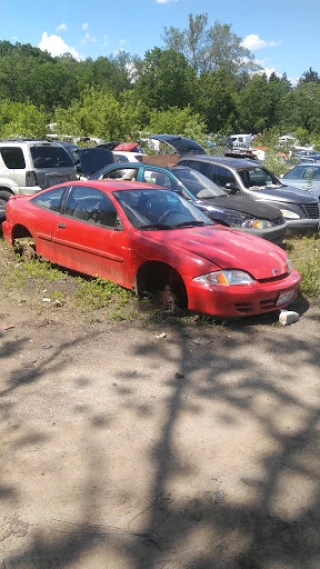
(155, 226)
(192, 224)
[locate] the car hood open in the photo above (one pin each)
(229, 249)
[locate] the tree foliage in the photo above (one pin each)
(202, 81)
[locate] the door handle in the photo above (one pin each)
(61, 226)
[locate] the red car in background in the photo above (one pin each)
(146, 239)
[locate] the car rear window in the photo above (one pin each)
(13, 158)
(50, 157)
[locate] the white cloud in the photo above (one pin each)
(88, 38)
(253, 42)
(85, 26)
(122, 42)
(63, 27)
(165, 1)
(56, 46)
(14, 38)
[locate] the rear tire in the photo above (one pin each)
(5, 195)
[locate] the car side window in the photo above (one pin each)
(52, 199)
(296, 173)
(92, 206)
(156, 177)
(221, 176)
(13, 158)
(202, 167)
(121, 174)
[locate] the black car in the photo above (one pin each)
(164, 143)
(240, 213)
(248, 178)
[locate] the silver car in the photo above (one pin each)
(305, 177)
(28, 166)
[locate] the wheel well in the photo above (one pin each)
(19, 232)
(154, 276)
(4, 189)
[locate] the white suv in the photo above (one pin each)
(28, 166)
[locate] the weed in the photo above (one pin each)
(98, 293)
(306, 258)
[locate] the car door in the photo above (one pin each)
(44, 220)
(90, 238)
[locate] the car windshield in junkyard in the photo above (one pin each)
(159, 209)
(258, 178)
(198, 185)
(50, 157)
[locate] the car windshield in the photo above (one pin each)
(198, 185)
(304, 173)
(50, 157)
(257, 178)
(159, 209)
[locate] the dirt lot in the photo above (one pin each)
(121, 449)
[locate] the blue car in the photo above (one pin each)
(240, 213)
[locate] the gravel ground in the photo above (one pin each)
(130, 445)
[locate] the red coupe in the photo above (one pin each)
(147, 239)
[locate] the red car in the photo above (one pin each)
(145, 239)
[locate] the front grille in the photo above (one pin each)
(273, 279)
(243, 307)
(311, 210)
(267, 304)
(278, 221)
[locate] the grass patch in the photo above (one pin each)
(305, 256)
(98, 293)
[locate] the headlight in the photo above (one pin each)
(289, 214)
(225, 278)
(257, 223)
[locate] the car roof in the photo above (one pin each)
(237, 163)
(110, 185)
(129, 165)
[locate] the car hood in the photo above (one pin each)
(285, 194)
(244, 205)
(227, 248)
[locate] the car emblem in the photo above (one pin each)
(275, 271)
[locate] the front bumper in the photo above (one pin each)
(304, 225)
(245, 300)
(274, 234)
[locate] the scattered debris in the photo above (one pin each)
(219, 496)
(46, 299)
(162, 335)
(4, 327)
(287, 317)
(179, 375)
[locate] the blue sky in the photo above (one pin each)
(283, 36)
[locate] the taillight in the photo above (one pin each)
(32, 179)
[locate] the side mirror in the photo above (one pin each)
(231, 187)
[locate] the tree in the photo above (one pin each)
(178, 121)
(164, 79)
(255, 105)
(208, 48)
(22, 119)
(309, 76)
(217, 101)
